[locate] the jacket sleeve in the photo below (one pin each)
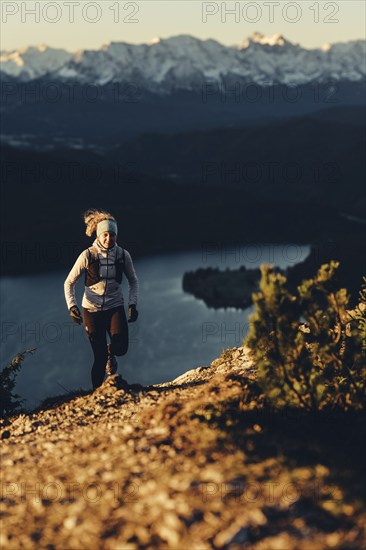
(133, 283)
(80, 265)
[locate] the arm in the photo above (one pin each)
(133, 284)
(69, 286)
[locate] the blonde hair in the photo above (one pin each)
(92, 217)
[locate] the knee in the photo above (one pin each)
(120, 349)
(119, 345)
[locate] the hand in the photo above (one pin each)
(132, 313)
(76, 315)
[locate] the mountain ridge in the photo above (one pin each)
(183, 62)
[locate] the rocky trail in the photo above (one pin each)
(195, 463)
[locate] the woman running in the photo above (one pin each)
(103, 305)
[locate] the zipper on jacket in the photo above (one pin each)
(106, 282)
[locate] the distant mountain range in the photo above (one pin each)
(184, 62)
(159, 133)
(100, 99)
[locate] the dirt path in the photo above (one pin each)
(166, 466)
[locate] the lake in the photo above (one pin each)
(174, 333)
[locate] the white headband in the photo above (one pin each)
(106, 225)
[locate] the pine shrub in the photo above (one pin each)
(11, 403)
(309, 348)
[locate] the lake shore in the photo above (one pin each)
(234, 287)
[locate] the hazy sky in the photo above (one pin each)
(72, 24)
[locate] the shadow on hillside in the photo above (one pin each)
(335, 440)
(317, 468)
(183, 386)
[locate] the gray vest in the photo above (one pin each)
(92, 275)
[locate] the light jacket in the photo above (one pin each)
(107, 293)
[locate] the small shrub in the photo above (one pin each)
(359, 314)
(309, 349)
(10, 403)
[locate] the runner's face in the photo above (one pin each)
(107, 239)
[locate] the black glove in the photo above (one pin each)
(76, 315)
(132, 313)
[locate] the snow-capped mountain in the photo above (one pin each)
(184, 62)
(33, 62)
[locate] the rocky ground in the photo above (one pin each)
(196, 463)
